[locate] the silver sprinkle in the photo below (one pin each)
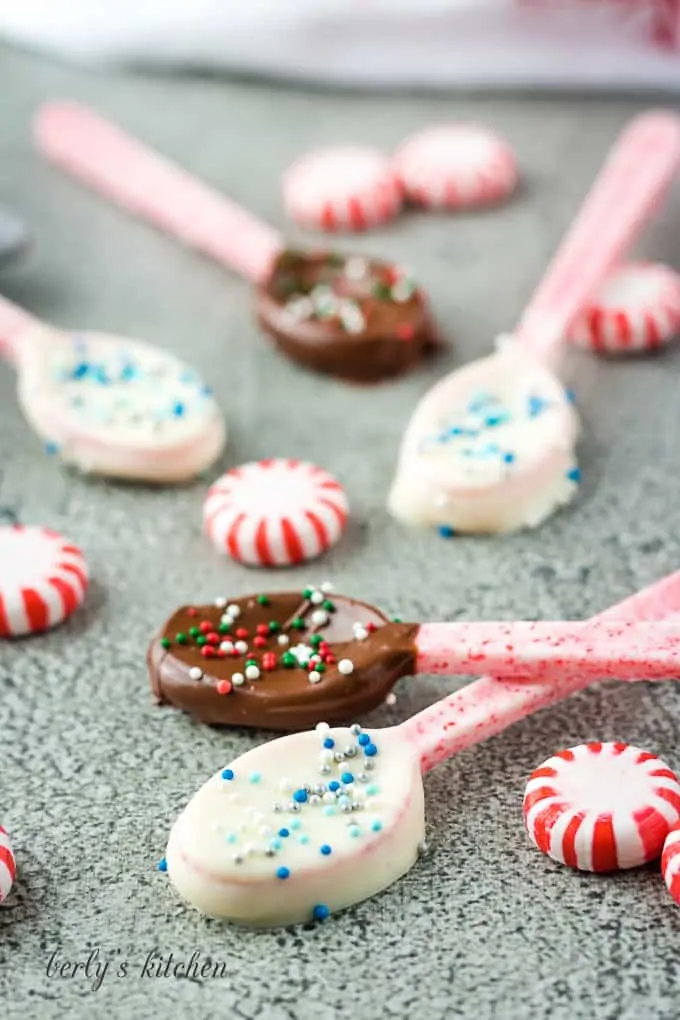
(277, 808)
(346, 808)
(355, 729)
(338, 756)
(319, 789)
(237, 858)
(361, 777)
(270, 852)
(356, 806)
(314, 799)
(325, 770)
(350, 751)
(369, 764)
(294, 807)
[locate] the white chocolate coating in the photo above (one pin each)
(225, 851)
(489, 449)
(118, 407)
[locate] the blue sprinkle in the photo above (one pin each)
(329, 743)
(347, 778)
(188, 375)
(128, 372)
(282, 872)
(284, 833)
(446, 531)
(492, 420)
(329, 810)
(370, 750)
(303, 839)
(325, 849)
(275, 844)
(354, 831)
(372, 790)
(574, 474)
(320, 912)
(294, 824)
(102, 377)
(491, 448)
(570, 396)
(232, 837)
(51, 448)
(509, 458)
(227, 773)
(334, 784)
(376, 825)
(455, 430)
(300, 796)
(162, 864)
(80, 371)
(255, 777)
(178, 409)
(206, 391)
(536, 406)
(362, 739)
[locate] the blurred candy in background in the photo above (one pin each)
(604, 44)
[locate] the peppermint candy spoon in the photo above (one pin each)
(109, 405)
(314, 822)
(491, 447)
(357, 318)
(286, 660)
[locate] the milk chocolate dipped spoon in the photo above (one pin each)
(109, 405)
(313, 822)
(286, 661)
(363, 320)
(491, 447)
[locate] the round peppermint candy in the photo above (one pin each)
(456, 166)
(43, 578)
(602, 807)
(670, 863)
(8, 868)
(637, 308)
(275, 512)
(342, 189)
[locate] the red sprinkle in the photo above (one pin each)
(370, 627)
(224, 686)
(406, 331)
(205, 626)
(207, 651)
(213, 638)
(323, 647)
(259, 641)
(192, 612)
(220, 653)
(329, 659)
(242, 633)
(269, 660)
(263, 628)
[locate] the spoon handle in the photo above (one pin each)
(488, 706)
(619, 650)
(14, 321)
(149, 186)
(631, 183)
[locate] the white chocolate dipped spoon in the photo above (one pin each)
(314, 822)
(490, 448)
(109, 405)
(360, 319)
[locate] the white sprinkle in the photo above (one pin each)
(265, 830)
(360, 633)
(326, 586)
(302, 653)
(329, 798)
(316, 598)
(402, 290)
(237, 679)
(283, 639)
(227, 619)
(345, 666)
(285, 785)
(241, 647)
(220, 602)
(391, 698)
(314, 677)
(325, 756)
(322, 727)
(355, 268)
(319, 617)
(227, 646)
(233, 610)
(252, 673)
(195, 673)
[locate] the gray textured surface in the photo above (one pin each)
(91, 774)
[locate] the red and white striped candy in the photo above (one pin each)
(8, 868)
(601, 807)
(636, 309)
(342, 189)
(456, 166)
(43, 579)
(275, 512)
(670, 863)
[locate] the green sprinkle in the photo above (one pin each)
(200, 641)
(319, 667)
(166, 642)
(194, 631)
(315, 640)
(224, 628)
(298, 623)
(181, 639)
(307, 593)
(274, 626)
(263, 600)
(251, 662)
(382, 291)
(396, 619)
(288, 660)
(329, 606)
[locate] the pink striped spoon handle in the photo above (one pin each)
(639, 170)
(617, 650)
(151, 187)
(14, 321)
(490, 705)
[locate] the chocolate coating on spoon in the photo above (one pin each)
(282, 696)
(357, 318)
